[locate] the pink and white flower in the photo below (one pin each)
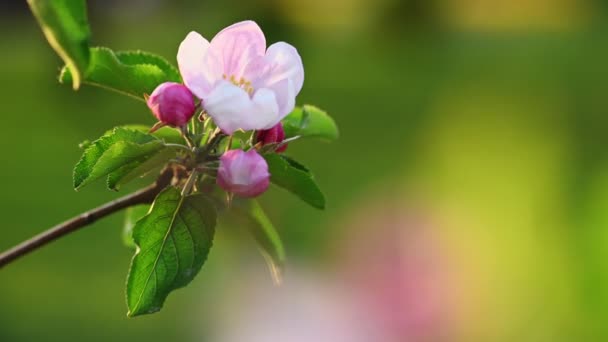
(243, 84)
(244, 174)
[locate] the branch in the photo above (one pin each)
(145, 195)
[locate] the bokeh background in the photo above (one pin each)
(468, 193)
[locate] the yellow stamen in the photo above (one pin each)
(242, 83)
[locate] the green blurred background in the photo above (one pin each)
(469, 186)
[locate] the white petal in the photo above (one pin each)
(265, 112)
(191, 57)
(229, 106)
(286, 97)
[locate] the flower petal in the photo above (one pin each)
(192, 66)
(282, 61)
(235, 46)
(232, 109)
(286, 97)
(281, 71)
(265, 111)
(229, 106)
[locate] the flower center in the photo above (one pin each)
(242, 83)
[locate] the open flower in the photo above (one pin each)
(243, 173)
(242, 84)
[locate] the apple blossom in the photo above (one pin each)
(243, 173)
(232, 83)
(172, 104)
(272, 136)
(242, 84)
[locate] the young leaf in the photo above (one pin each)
(167, 134)
(132, 215)
(112, 151)
(265, 234)
(66, 27)
(310, 121)
(133, 73)
(139, 168)
(138, 57)
(173, 242)
(295, 178)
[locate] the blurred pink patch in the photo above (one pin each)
(400, 273)
(390, 282)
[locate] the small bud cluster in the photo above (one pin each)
(233, 100)
(244, 174)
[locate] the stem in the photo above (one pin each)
(198, 128)
(189, 183)
(186, 137)
(193, 125)
(206, 132)
(216, 138)
(252, 137)
(229, 144)
(145, 195)
(183, 147)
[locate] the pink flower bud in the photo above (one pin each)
(274, 135)
(172, 104)
(243, 173)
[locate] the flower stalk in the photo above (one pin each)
(142, 196)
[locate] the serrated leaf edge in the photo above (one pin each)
(78, 185)
(132, 311)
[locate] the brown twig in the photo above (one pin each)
(145, 195)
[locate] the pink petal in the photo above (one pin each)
(198, 73)
(237, 45)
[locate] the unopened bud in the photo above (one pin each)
(172, 104)
(243, 173)
(274, 135)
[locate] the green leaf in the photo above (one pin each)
(133, 73)
(139, 57)
(66, 27)
(173, 243)
(265, 234)
(167, 134)
(112, 151)
(310, 121)
(139, 168)
(132, 215)
(295, 178)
